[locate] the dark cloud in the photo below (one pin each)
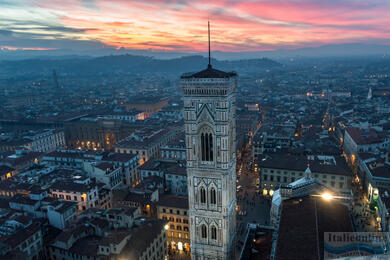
(52, 29)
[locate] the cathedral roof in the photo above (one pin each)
(209, 73)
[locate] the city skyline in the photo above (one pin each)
(179, 26)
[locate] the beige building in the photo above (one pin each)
(276, 169)
(81, 190)
(146, 143)
(174, 209)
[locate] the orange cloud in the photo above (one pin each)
(236, 25)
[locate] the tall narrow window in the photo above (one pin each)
(213, 196)
(204, 231)
(213, 233)
(202, 195)
(211, 147)
(207, 154)
(206, 146)
(202, 147)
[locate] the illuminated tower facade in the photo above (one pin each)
(210, 123)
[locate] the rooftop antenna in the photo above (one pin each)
(209, 45)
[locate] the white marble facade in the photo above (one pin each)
(209, 113)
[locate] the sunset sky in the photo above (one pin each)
(181, 25)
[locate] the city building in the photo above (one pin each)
(148, 105)
(105, 172)
(81, 190)
(77, 159)
(118, 233)
(303, 223)
(46, 140)
(175, 150)
(6, 172)
(146, 143)
(358, 140)
(95, 133)
(279, 169)
(176, 179)
(24, 240)
(174, 209)
(209, 114)
(271, 138)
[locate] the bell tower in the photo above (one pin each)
(210, 124)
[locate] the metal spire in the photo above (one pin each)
(209, 45)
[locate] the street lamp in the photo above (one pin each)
(327, 196)
(166, 227)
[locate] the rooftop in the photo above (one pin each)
(209, 73)
(303, 223)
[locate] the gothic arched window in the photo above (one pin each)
(213, 233)
(206, 146)
(213, 196)
(202, 195)
(204, 231)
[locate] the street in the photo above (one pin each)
(252, 206)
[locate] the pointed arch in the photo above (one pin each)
(203, 231)
(213, 232)
(206, 143)
(202, 195)
(213, 196)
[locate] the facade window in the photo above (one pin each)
(213, 233)
(202, 195)
(265, 177)
(213, 197)
(206, 143)
(204, 231)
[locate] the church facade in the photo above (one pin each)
(209, 114)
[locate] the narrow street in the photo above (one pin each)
(252, 206)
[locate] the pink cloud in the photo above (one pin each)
(236, 25)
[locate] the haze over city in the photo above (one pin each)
(193, 129)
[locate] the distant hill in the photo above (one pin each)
(330, 50)
(129, 64)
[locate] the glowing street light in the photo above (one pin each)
(327, 196)
(166, 227)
